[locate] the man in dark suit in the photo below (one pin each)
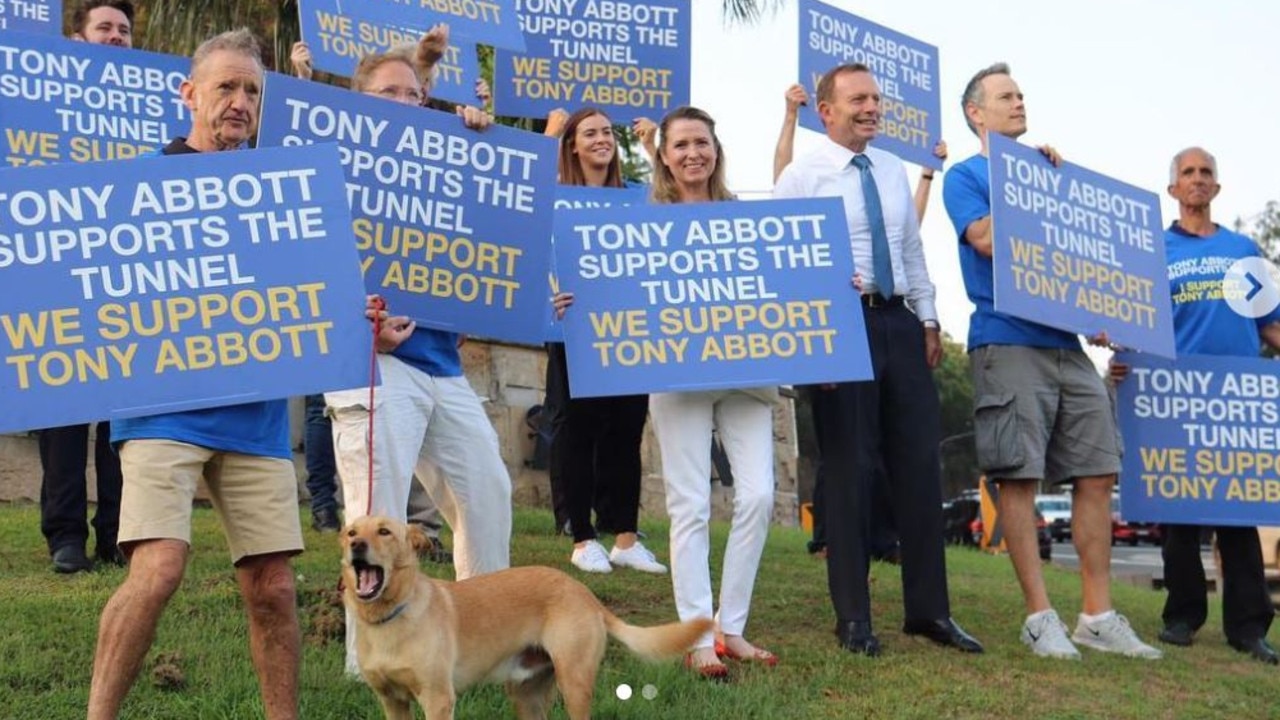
(895, 417)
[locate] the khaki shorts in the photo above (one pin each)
(1041, 414)
(256, 497)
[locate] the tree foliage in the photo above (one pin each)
(955, 391)
(1264, 228)
(748, 11)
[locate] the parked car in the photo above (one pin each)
(1044, 540)
(957, 519)
(1124, 531)
(1056, 510)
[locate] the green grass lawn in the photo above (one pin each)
(199, 666)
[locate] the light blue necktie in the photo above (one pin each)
(881, 260)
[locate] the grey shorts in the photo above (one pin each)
(1041, 414)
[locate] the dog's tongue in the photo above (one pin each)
(366, 581)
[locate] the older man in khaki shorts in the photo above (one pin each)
(241, 450)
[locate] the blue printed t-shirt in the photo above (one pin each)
(1203, 322)
(966, 193)
(257, 428)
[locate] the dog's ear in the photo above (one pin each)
(417, 538)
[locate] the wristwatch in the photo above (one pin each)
(930, 324)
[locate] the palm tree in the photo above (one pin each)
(177, 26)
(748, 11)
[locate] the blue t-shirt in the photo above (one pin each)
(257, 428)
(434, 352)
(1203, 322)
(966, 193)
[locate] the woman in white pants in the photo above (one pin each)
(690, 168)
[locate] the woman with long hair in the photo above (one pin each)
(595, 451)
(690, 168)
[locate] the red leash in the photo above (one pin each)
(380, 306)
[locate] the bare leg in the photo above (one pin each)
(266, 582)
(738, 647)
(129, 620)
(624, 540)
(1091, 534)
(1018, 519)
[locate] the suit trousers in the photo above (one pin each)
(64, 494)
(1247, 611)
(895, 418)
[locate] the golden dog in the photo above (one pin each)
(532, 628)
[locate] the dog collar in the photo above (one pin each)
(393, 614)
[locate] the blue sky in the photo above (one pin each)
(1118, 87)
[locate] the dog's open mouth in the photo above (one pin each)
(369, 579)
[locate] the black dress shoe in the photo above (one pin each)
(325, 520)
(856, 637)
(1179, 634)
(943, 632)
(1258, 649)
(70, 559)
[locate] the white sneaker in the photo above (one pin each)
(591, 558)
(637, 556)
(1046, 635)
(1113, 634)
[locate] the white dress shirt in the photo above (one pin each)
(828, 171)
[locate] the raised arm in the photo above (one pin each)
(647, 131)
(785, 149)
(925, 183)
(300, 58)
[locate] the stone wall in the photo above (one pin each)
(509, 378)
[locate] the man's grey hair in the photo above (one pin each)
(240, 41)
(973, 92)
(1177, 160)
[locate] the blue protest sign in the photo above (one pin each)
(709, 295)
(337, 42)
(33, 16)
(906, 70)
(487, 22)
(577, 197)
(569, 197)
(453, 225)
(175, 283)
(456, 75)
(629, 58)
(79, 102)
(1077, 250)
(1201, 440)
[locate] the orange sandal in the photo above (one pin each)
(718, 672)
(759, 655)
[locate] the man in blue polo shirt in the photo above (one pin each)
(242, 451)
(1198, 251)
(1041, 410)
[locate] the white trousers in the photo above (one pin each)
(419, 422)
(683, 423)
